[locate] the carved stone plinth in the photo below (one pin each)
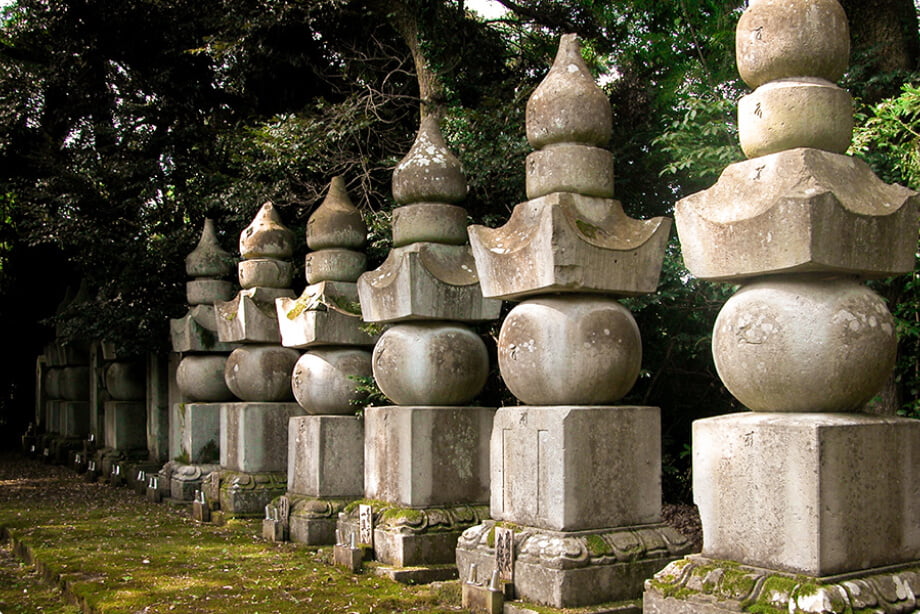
(243, 494)
(698, 585)
(573, 569)
(313, 520)
(184, 480)
(196, 331)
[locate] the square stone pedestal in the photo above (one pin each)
(427, 479)
(580, 487)
(125, 425)
(195, 429)
(74, 418)
(325, 472)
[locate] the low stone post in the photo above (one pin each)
(426, 472)
(326, 447)
(253, 432)
(575, 478)
(807, 503)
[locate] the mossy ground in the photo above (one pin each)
(118, 553)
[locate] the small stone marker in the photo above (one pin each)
(477, 597)
(348, 555)
(275, 525)
(153, 490)
(366, 525)
(200, 509)
(504, 553)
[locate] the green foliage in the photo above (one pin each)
(887, 136)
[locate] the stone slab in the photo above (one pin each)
(125, 425)
(427, 456)
(326, 456)
(253, 436)
(73, 418)
(250, 317)
(571, 468)
(832, 493)
(196, 428)
(326, 313)
(196, 331)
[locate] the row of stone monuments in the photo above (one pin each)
(807, 504)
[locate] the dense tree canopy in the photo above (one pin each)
(123, 123)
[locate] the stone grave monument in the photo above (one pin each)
(576, 488)
(326, 446)
(253, 431)
(123, 390)
(807, 503)
(426, 463)
(198, 385)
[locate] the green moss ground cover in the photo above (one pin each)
(117, 553)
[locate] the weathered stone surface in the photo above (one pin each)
(251, 316)
(336, 222)
(327, 313)
(568, 570)
(196, 331)
(425, 281)
(125, 425)
(429, 222)
(570, 167)
(207, 291)
(326, 456)
(324, 379)
(73, 383)
(798, 211)
(253, 436)
(265, 272)
(201, 378)
(242, 493)
(267, 236)
(567, 106)
(208, 259)
(430, 363)
(125, 380)
(334, 265)
(835, 493)
(197, 430)
(569, 350)
(697, 585)
(804, 344)
(569, 243)
(776, 39)
(576, 468)
(73, 418)
(429, 172)
(795, 113)
(261, 372)
(427, 456)
(313, 520)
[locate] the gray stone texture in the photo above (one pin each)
(816, 494)
(427, 456)
(201, 377)
(126, 425)
(196, 331)
(801, 210)
(429, 222)
(336, 223)
(196, 428)
(326, 313)
(253, 436)
(576, 468)
(266, 236)
(250, 317)
(261, 373)
(325, 379)
(326, 456)
(429, 172)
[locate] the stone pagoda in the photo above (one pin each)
(200, 387)
(576, 487)
(808, 504)
(325, 447)
(426, 463)
(253, 431)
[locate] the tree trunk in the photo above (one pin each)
(430, 88)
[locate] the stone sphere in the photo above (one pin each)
(322, 379)
(431, 363)
(261, 372)
(126, 380)
(804, 345)
(334, 265)
(201, 378)
(53, 382)
(74, 383)
(569, 350)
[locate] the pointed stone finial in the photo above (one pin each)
(267, 236)
(336, 223)
(208, 259)
(429, 172)
(568, 107)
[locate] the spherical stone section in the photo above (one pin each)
(569, 350)
(324, 381)
(804, 344)
(74, 383)
(265, 273)
(261, 372)
(334, 265)
(126, 380)
(776, 39)
(431, 363)
(201, 378)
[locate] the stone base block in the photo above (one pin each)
(573, 468)
(254, 436)
(184, 480)
(74, 418)
(408, 537)
(313, 520)
(126, 425)
(575, 569)
(197, 429)
(244, 494)
(834, 493)
(698, 585)
(274, 530)
(326, 456)
(350, 558)
(427, 456)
